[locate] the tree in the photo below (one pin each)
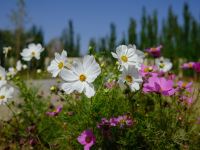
(132, 35)
(18, 18)
(112, 38)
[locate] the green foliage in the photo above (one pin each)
(159, 122)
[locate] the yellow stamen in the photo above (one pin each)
(60, 65)
(2, 97)
(124, 58)
(184, 85)
(162, 65)
(153, 49)
(129, 79)
(33, 53)
(150, 69)
(82, 77)
(88, 139)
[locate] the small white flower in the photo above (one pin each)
(57, 65)
(24, 66)
(6, 50)
(131, 77)
(128, 55)
(12, 71)
(2, 76)
(5, 94)
(80, 77)
(19, 65)
(163, 64)
(33, 51)
(39, 71)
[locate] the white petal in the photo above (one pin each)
(68, 75)
(89, 90)
(67, 88)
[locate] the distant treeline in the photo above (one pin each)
(178, 39)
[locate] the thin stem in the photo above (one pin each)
(14, 114)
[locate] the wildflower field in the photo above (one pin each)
(131, 99)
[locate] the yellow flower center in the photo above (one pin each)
(124, 58)
(88, 139)
(153, 49)
(190, 65)
(184, 85)
(129, 79)
(123, 121)
(33, 53)
(82, 77)
(150, 69)
(162, 65)
(1, 78)
(2, 97)
(60, 65)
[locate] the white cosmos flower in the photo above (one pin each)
(81, 75)
(128, 55)
(5, 94)
(12, 71)
(2, 76)
(131, 77)
(163, 64)
(19, 65)
(33, 51)
(58, 64)
(24, 66)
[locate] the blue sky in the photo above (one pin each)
(91, 18)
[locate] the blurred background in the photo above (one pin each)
(76, 25)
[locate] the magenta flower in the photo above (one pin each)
(148, 71)
(196, 67)
(104, 122)
(113, 121)
(55, 112)
(188, 65)
(198, 120)
(159, 85)
(87, 139)
(154, 51)
(185, 86)
(185, 99)
(110, 85)
(124, 121)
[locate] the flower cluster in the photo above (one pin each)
(154, 51)
(79, 76)
(192, 65)
(130, 60)
(5, 91)
(120, 121)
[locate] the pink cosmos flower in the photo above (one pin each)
(55, 112)
(198, 120)
(87, 139)
(110, 85)
(154, 51)
(185, 99)
(113, 121)
(159, 85)
(188, 65)
(148, 71)
(185, 86)
(124, 121)
(196, 67)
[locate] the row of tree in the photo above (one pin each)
(178, 40)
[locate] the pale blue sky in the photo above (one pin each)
(91, 18)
